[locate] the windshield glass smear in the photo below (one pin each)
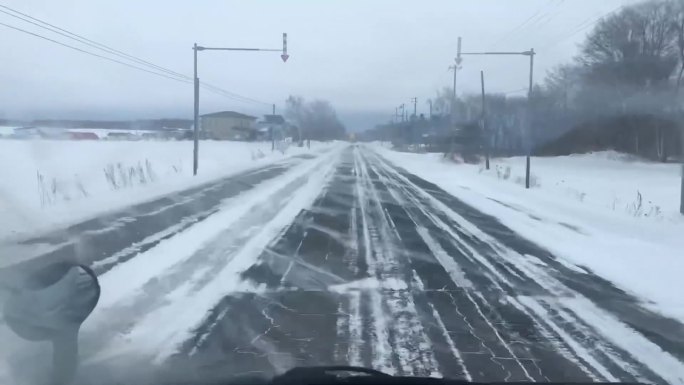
(486, 191)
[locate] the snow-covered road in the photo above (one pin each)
(342, 258)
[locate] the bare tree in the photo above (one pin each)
(560, 85)
(441, 103)
(677, 7)
(635, 46)
(316, 120)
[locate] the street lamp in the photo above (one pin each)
(197, 48)
(531, 54)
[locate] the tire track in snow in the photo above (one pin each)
(499, 353)
(665, 332)
(375, 308)
(110, 239)
(379, 272)
(196, 279)
(410, 345)
(503, 282)
(190, 275)
(625, 360)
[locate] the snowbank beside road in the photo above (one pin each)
(585, 210)
(46, 183)
(607, 180)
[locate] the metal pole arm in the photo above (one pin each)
(236, 49)
(524, 53)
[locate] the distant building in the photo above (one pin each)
(31, 132)
(272, 127)
(121, 136)
(83, 136)
(228, 125)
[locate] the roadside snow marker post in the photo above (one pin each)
(284, 56)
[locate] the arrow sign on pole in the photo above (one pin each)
(284, 56)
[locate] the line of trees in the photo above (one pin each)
(621, 91)
(314, 120)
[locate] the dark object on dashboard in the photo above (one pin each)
(51, 301)
(50, 305)
(331, 375)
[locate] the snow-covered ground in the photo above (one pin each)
(215, 251)
(611, 213)
(151, 304)
(6, 130)
(101, 133)
(46, 183)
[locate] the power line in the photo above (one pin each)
(86, 41)
(587, 23)
(208, 87)
(92, 53)
(167, 73)
(542, 20)
(513, 91)
(521, 26)
(228, 94)
(550, 16)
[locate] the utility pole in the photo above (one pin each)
(415, 106)
(484, 122)
(403, 112)
(270, 132)
(195, 150)
(529, 120)
(284, 56)
(531, 54)
(430, 103)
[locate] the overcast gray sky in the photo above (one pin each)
(365, 56)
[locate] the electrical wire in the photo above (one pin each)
(548, 19)
(228, 94)
(63, 32)
(92, 53)
(534, 18)
(514, 91)
(587, 23)
(154, 68)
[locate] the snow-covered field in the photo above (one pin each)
(101, 133)
(45, 183)
(611, 213)
(6, 130)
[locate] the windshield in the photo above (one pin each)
(478, 190)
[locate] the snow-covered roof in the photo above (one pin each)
(229, 114)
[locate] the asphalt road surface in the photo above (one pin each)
(386, 270)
